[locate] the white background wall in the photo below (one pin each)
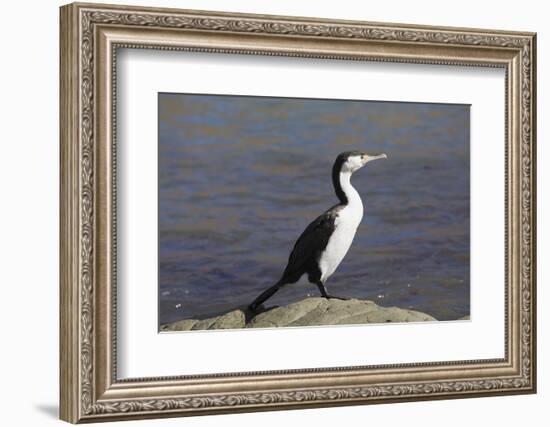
(29, 170)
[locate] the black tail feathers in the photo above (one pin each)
(268, 293)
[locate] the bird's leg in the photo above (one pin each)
(324, 292)
(322, 289)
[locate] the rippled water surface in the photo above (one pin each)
(241, 177)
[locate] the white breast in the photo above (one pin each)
(340, 241)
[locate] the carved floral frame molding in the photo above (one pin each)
(90, 37)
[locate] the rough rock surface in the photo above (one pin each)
(307, 312)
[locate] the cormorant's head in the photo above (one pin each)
(351, 161)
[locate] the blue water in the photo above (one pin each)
(241, 177)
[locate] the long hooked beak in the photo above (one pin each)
(367, 158)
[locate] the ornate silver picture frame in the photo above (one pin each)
(91, 37)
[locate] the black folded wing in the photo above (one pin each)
(309, 246)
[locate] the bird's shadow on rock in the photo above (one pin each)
(250, 314)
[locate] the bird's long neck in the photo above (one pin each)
(345, 191)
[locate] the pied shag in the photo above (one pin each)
(325, 242)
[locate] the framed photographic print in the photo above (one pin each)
(265, 212)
